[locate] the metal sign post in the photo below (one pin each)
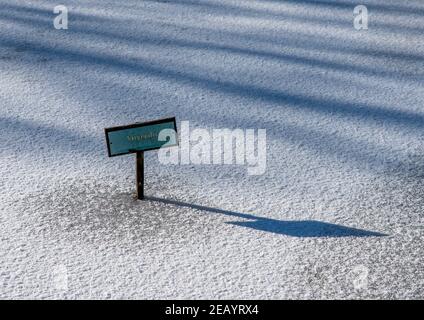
(140, 174)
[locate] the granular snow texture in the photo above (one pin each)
(338, 212)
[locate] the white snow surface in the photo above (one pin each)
(338, 213)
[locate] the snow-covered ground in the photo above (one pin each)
(338, 213)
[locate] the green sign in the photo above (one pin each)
(141, 137)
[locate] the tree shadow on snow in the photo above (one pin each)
(303, 228)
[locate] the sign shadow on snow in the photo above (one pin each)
(294, 228)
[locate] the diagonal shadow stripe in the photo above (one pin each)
(302, 229)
